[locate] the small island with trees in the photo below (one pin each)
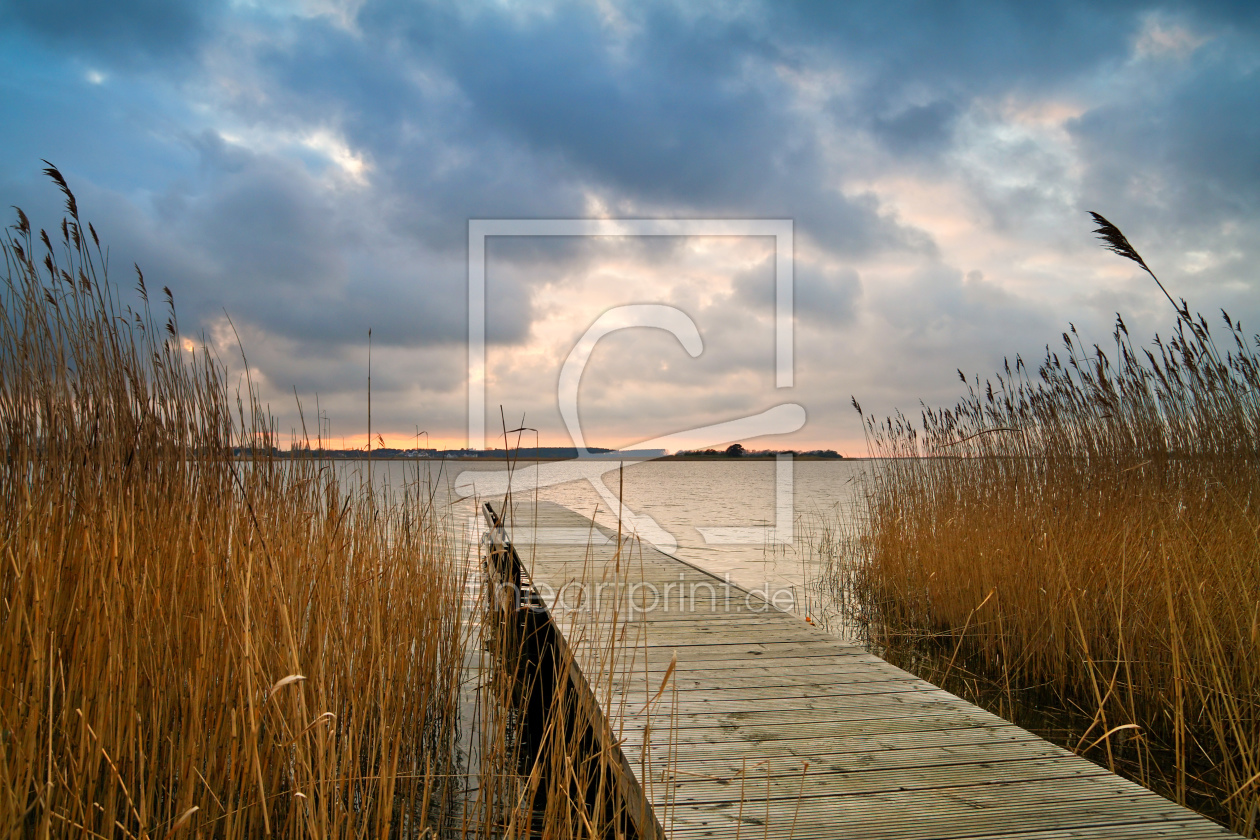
(737, 450)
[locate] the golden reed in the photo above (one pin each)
(202, 638)
(1079, 548)
(195, 642)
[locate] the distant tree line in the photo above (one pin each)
(737, 450)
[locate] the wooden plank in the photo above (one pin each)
(769, 727)
(809, 783)
(716, 749)
(725, 767)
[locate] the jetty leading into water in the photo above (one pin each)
(731, 718)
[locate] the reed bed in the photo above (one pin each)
(1079, 549)
(195, 642)
(202, 636)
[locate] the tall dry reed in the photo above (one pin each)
(192, 643)
(1080, 547)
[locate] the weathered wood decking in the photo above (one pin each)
(770, 727)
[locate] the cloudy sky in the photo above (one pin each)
(310, 169)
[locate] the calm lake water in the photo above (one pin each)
(756, 521)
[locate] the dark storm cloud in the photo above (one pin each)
(681, 115)
(671, 123)
(1175, 166)
(263, 242)
(918, 129)
(684, 114)
(315, 268)
(1198, 129)
(436, 160)
(974, 48)
(822, 296)
(267, 221)
(757, 110)
(126, 33)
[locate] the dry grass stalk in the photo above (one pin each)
(194, 643)
(201, 638)
(1108, 509)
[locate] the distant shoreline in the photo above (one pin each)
(500, 457)
(768, 456)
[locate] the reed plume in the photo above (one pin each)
(1083, 539)
(197, 636)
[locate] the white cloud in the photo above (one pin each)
(1161, 37)
(354, 164)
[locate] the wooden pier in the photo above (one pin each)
(735, 719)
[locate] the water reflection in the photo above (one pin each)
(698, 506)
